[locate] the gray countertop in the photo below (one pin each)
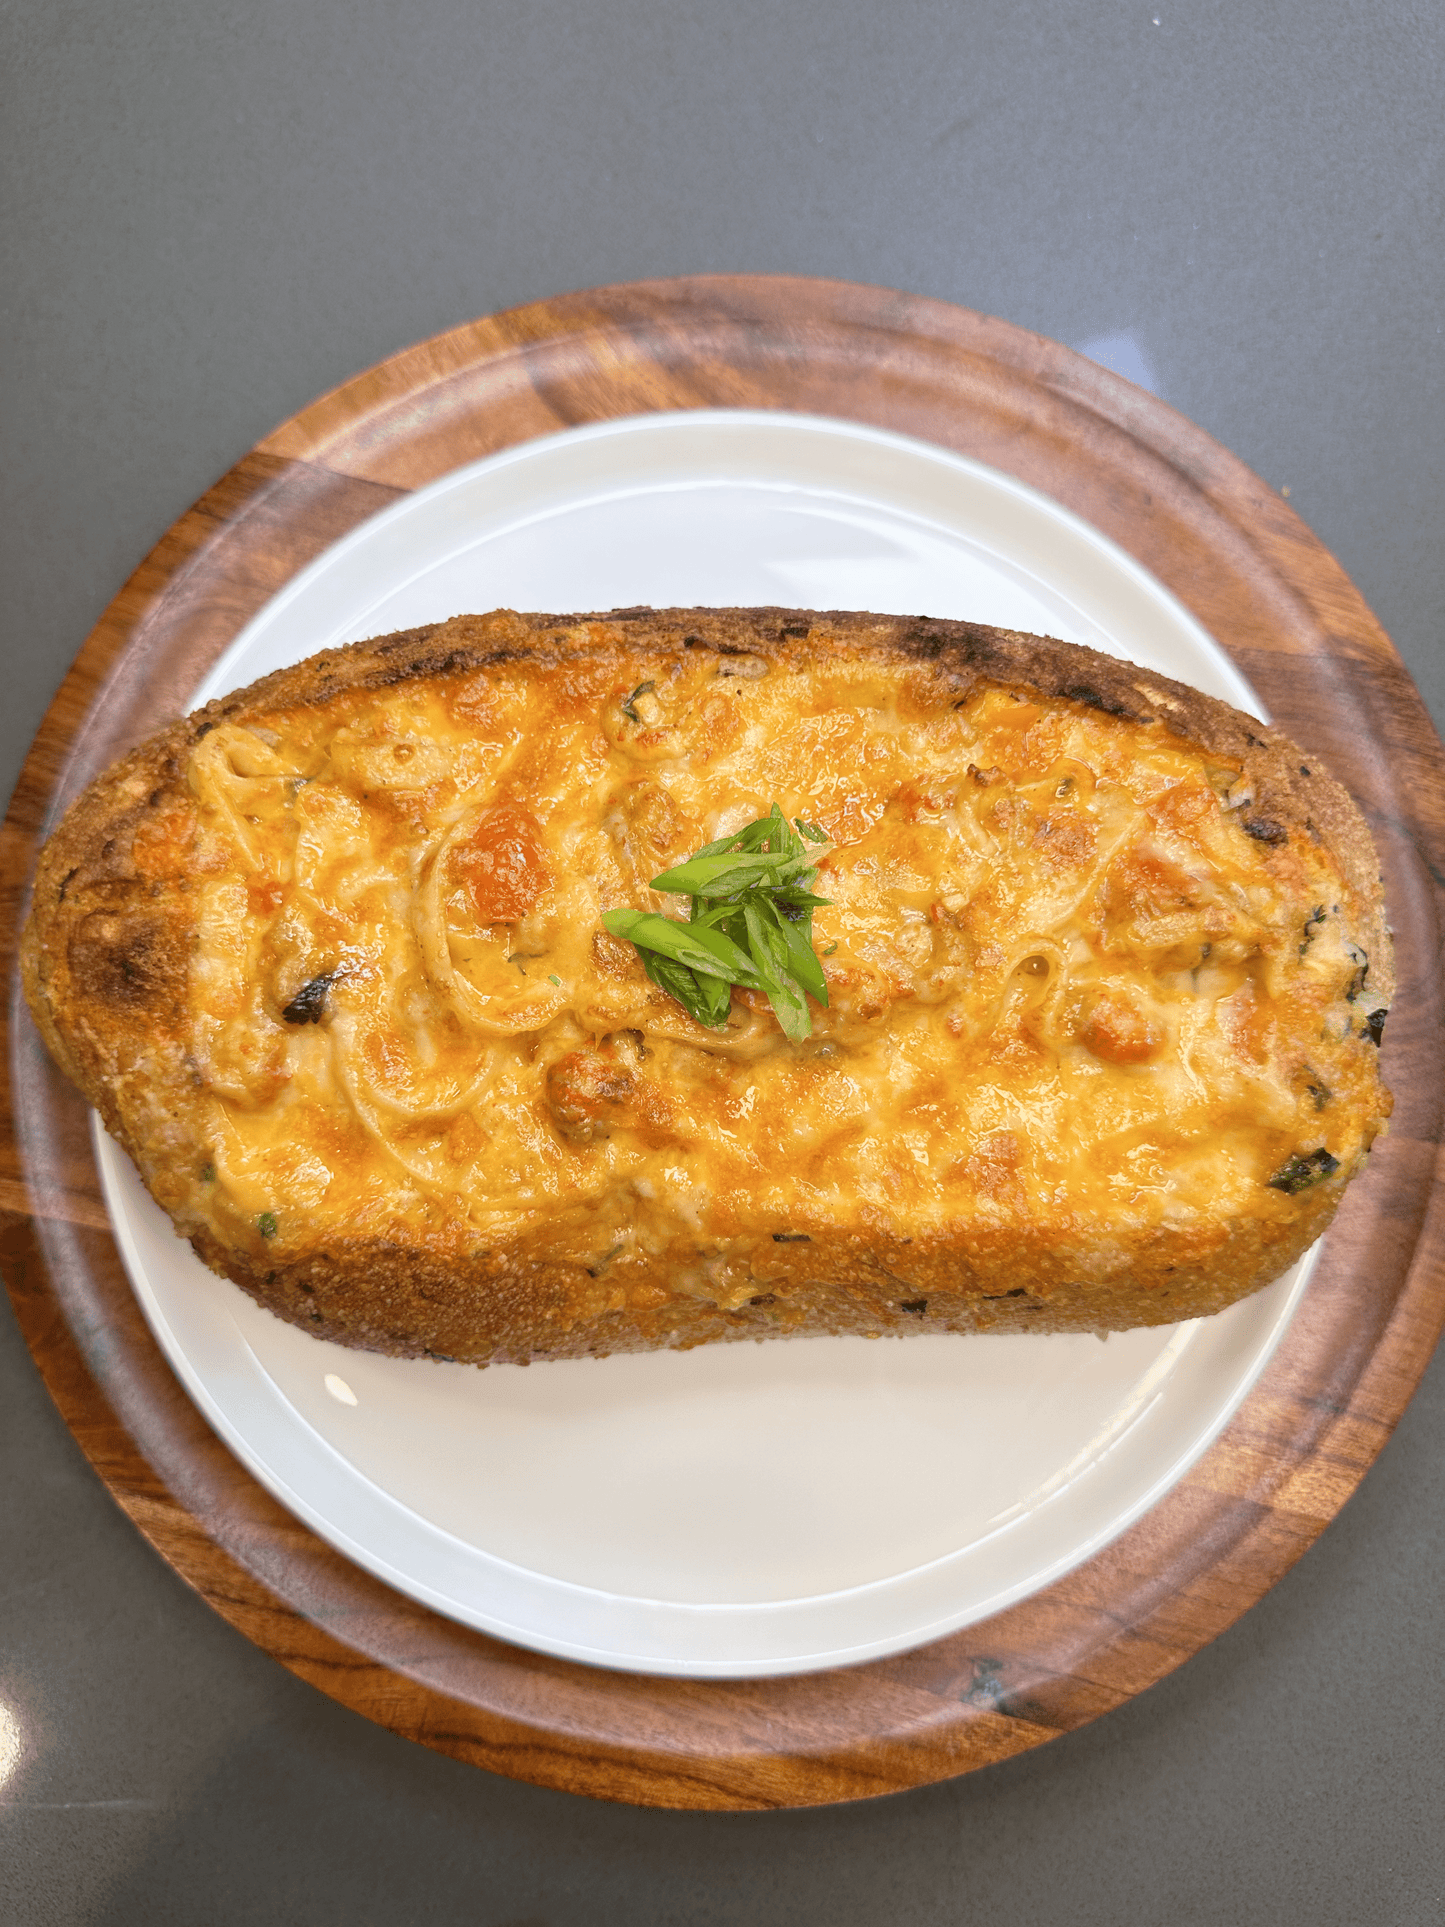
(211, 214)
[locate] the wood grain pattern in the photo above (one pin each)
(1236, 555)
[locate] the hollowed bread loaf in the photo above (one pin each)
(1106, 964)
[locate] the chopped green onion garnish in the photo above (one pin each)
(750, 922)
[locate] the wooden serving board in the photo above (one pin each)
(1237, 556)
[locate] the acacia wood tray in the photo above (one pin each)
(1238, 557)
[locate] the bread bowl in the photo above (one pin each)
(1106, 965)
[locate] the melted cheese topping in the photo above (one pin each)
(1066, 989)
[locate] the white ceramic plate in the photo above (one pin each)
(742, 1509)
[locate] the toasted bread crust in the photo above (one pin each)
(105, 961)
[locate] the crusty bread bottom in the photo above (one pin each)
(381, 1299)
